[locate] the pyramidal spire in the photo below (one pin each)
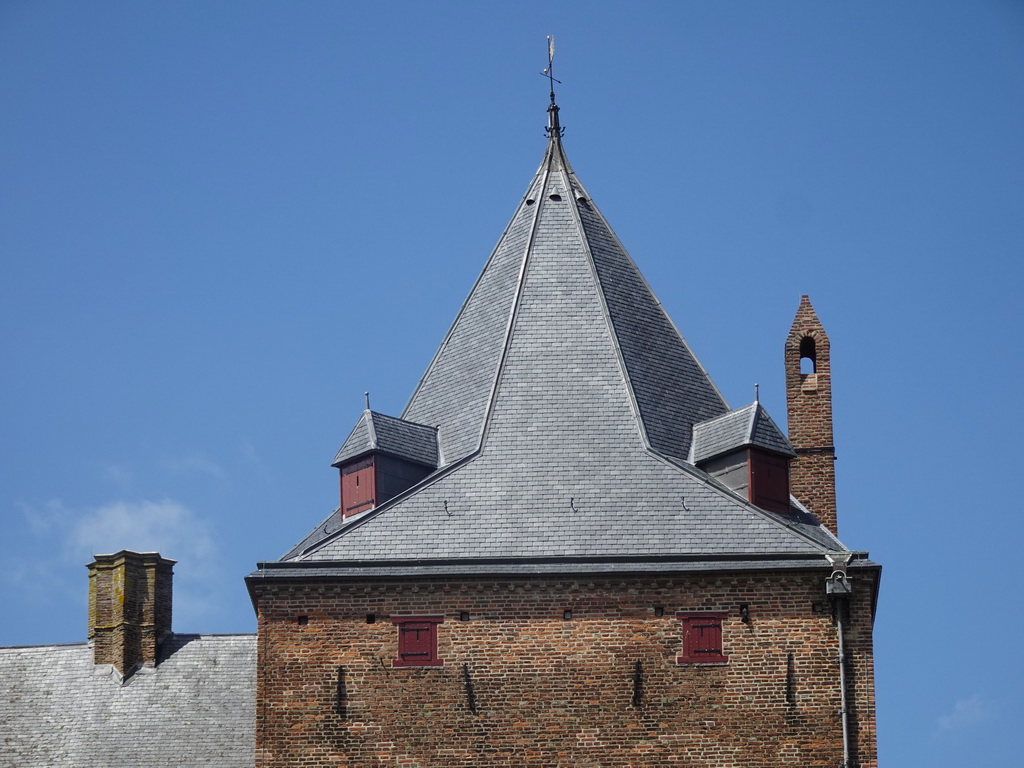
(564, 402)
(559, 294)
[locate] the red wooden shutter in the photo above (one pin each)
(417, 641)
(702, 639)
(358, 487)
(769, 481)
(415, 644)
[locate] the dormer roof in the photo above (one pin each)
(386, 434)
(746, 427)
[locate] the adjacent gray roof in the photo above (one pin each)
(197, 707)
(749, 426)
(565, 401)
(379, 432)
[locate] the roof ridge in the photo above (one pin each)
(661, 306)
(603, 300)
(404, 421)
(371, 428)
(472, 291)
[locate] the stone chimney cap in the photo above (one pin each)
(131, 553)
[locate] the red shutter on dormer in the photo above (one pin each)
(769, 481)
(358, 487)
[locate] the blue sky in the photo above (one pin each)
(221, 222)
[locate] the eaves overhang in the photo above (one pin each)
(542, 566)
(362, 571)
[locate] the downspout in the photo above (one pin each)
(840, 609)
(839, 588)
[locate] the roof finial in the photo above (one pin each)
(553, 129)
(757, 394)
(367, 396)
(548, 71)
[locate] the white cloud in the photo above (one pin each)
(166, 526)
(42, 520)
(965, 712)
(163, 526)
(194, 463)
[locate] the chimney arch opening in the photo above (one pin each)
(808, 356)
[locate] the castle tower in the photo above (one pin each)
(809, 404)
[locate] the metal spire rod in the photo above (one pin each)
(553, 129)
(549, 70)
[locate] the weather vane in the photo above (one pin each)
(547, 72)
(553, 128)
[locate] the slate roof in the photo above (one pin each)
(379, 432)
(749, 426)
(196, 707)
(565, 401)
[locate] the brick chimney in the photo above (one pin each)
(129, 608)
(809, 402)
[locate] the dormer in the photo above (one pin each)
(382, 457)
(748, 453)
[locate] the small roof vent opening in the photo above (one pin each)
(530, 201)
(555, 197)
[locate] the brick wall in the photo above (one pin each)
(555, 692)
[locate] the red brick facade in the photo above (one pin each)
(524, 686)
(809, 403)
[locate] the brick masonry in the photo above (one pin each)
(809, 405)
(523, 686)
(130, 597)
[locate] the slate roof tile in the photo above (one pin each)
(380, 432)
(196, 707)
(566, 402)
(750, 425)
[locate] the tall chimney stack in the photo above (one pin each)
(809, 401)
(129, 608)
